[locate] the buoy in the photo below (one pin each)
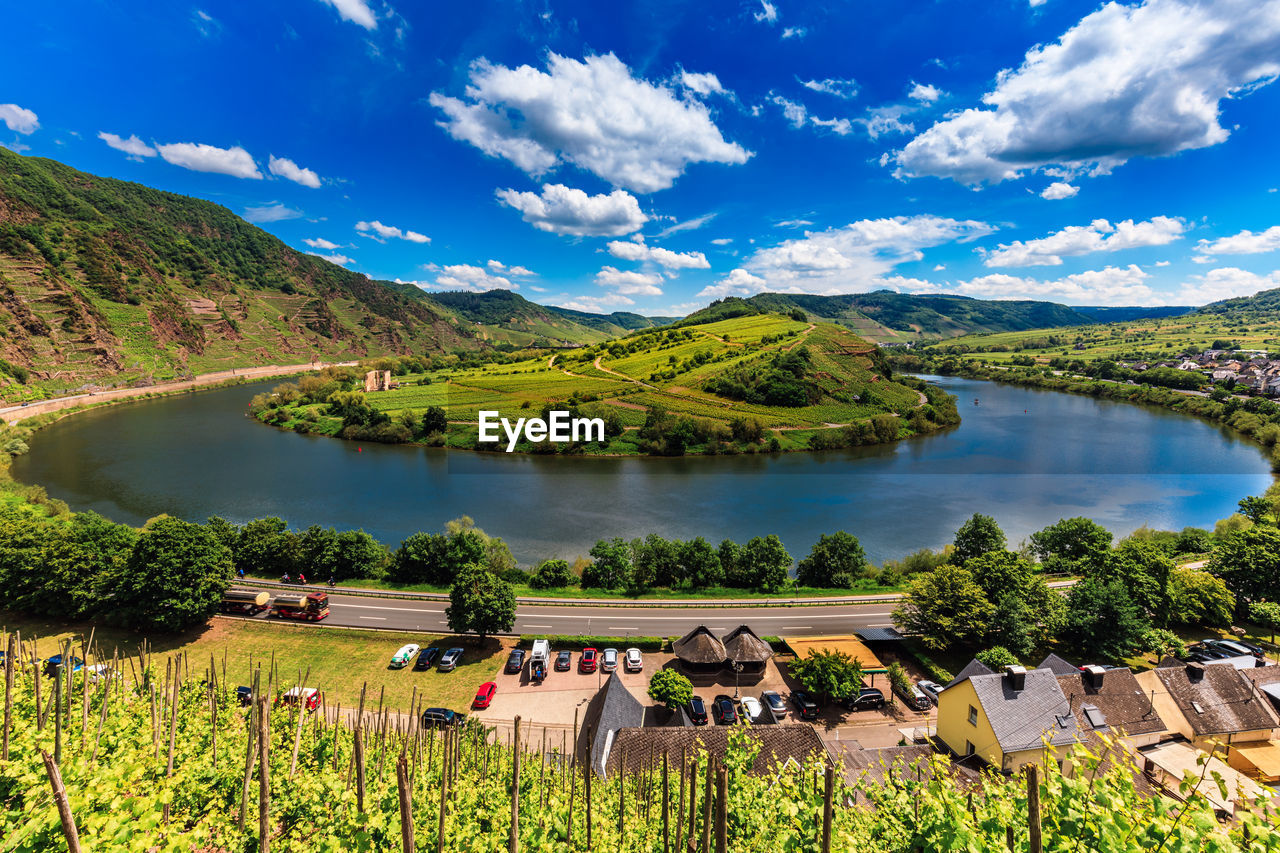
(359, 450)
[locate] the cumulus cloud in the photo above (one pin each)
(340, 260)
(887, 119)
(1245, 243)
(1059, 190)
(795, 32)
(629, 283)
(1109, 286)
(845, 89)
(768, 13)
(596, 304)
(502, 269)
(722, 241)
(18, 119)
(592, 114)
(701, 84)
(630, 250)
(382, 233)
(798, 115)
(133, 146)
(1224, 283)
(321, 243)
(1126, 81)
(355, 11)
(1074, 240)
(274, 212)
(738, 282)
(469, 277)
(290, 170)
(565, 210)
(199, 157)
(924, 92)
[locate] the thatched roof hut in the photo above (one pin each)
(742, 646)
(700, 651)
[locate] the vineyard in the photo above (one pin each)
(143, 753)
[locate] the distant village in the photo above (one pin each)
(1251, 369)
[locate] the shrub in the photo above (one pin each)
(997, 657)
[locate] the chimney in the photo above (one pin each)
(1195, 671)
(1093, 675)
(1016, 677)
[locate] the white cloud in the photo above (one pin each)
(1074, 240)
(846, 260)
(355, 11)
(592, 114)
(1126, 81)
(738, 282)
(133, 146)
(768, 13)
(320, 243)
(629, 283)
(290, 170)
(382, 233)
(795, 32)
(1110, 286)
(1224, 283)
(845, 89)
(1059, 190)
(502, 269)
(924, 92)
(18, 119)
(199, 157)
(722, 241)
(340, 260)
(596, 304)
(792, 223)
(565, 210)
(632, 251)
(798, 115)
(688, 225)
(1245, 243)
(274, 212)
(701, 84)
(471, 278)
(887, 119)
(206, 24)
(1035, 3)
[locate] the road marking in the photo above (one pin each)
(380, 607)
(694, 615)
(539, 626)
(797, 627)
(623, 628)
(376, 618)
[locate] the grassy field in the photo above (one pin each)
(340, 660)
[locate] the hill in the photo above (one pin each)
(1263, 306)
(505, 316)
(1110, 314)
(884, 316)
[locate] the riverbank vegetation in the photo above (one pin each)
(744, 385)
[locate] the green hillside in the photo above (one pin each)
(507, 317)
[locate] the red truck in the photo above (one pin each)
(311, 607)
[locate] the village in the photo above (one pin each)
(1254, 370)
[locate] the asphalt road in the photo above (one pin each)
(428, 616)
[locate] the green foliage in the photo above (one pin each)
(898, 678)
(997, 657)
(945, 607)
(1248, 561)
(837, 560)
(670, 688)
(481, 603)
(174, 577)
(1072, 545)
(1256, 509)
(979, 535)
(1266, 614)
(1162, 641)
(1199, 598)
(552, 574)
(768, 561)
(828, 673)
(267, 546)
(610, 566)
(1102, 620)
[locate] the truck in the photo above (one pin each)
(540, 659)
(311, 607)
(244, 601)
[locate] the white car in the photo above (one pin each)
(404, 656)
(609, 660)
(750, 708)
(633, 661)
(930, 689)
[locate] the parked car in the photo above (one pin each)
(485, 695)
(426, 657)
(697, 711)
(609, 660)
(1234, 648)
(433, 718)
(805, 707)
(634, 662)
(403, 655)
(1203, 654)
(564, 661)
(751, 708)
(914, 698)
(53, 664)
(726, 714)
(588, 660)
(449, 660)
(515, 661)
(866, 699)
(774, 702)
(930, 689)
(307, 697)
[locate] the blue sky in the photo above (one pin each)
(653, 156)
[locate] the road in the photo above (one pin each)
(819, 620)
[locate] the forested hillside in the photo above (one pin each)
(506, 316)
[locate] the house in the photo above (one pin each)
(1110, 702)
(612, 709)
(700, 651)
(746, 652)
(1007, 719)
(377, 380)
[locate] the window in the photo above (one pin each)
(973, 716)
(968, 748)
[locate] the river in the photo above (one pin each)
(1025, 456)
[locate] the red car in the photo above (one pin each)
(587, 663)
(485, 695)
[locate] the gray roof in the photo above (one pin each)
(617, 709)
(1022, 719)
(1223, 701)
(972, 668)
(878, 635)
(1059, 665)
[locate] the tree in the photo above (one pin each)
(1161, 642)
(1266, 614)
(480, 602)
(1071, 545)
(552, 574)
(699, 564)
(733, 563)
(78, 563)
(945, 607)
(829, 674)
(1249, 562)
(359, 555)
(835, 561)
(670, 688)
(1144, 568)
(655, 561)
(997, 657)
(1255, 509)
(769, 562)
(1026, 612)
(420, 559)
(434, 419)
(1199, 598)
(266, 546)
(999, 573)
(1102, 620)
(979, 535)
(610, 565)
(174, 577)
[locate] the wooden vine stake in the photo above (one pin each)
(827, 800)
(1033, 808)
(513, 842)
(264, 776)
(444, 795)
(666, 807)
(722, 809)
(64, 808)
(8, 697)
(406, 805)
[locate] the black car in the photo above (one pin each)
(426, 657)
(805, 707)
(697, 711)
(1203, 654)
(725, 713)
(865, 699)
(435, 718)
(564, 661)
(515, 661)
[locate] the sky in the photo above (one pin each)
(652, 157)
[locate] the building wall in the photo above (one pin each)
(1165, 706)
(955, 730)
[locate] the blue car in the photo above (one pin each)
(55, 663)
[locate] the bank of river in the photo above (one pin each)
(1027, 457)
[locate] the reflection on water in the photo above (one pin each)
(1026, 457)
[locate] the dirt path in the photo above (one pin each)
(803, 335)
(13, 414)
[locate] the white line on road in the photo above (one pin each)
(797, 627)
(623, 628)
(379, 607)
(375, 618)
(694, 615)
(539, 626)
